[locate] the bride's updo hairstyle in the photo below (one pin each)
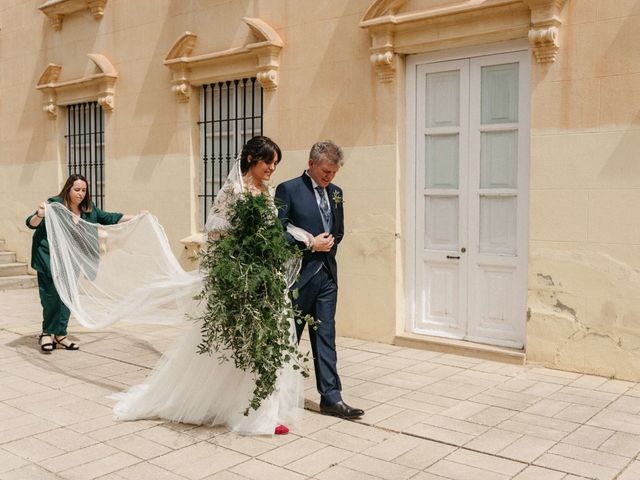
(258, 148)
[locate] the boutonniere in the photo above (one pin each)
(337, 197)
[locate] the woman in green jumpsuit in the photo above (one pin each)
(76, 197)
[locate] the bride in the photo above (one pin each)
(185, 386)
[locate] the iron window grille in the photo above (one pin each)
(230, 114)
(85, 146)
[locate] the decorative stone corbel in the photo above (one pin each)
(180, 70)
(48, 78)
(545, 23)
(99, 86)
(56, 10)
(382, 54)
(260, 58)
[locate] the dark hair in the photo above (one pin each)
(258, 148)
(85, 205)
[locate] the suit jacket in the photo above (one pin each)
(296, 202)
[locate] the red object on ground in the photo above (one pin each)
(281, 430)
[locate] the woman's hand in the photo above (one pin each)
(37, 218)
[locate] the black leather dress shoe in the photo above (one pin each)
(341, 409)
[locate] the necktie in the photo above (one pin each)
(325, 210)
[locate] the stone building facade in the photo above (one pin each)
(491, 181)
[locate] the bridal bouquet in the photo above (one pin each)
(247, 313)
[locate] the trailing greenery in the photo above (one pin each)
(247, 314)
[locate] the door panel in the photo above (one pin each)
(442, 140)
(498, 225)
(499, 159)
(440, 300)
(470, 158)
(441, 223)
(441, 161)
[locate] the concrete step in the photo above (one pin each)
(7, 257)
(18, 281)
(13, 269)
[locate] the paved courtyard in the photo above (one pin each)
(430, 416)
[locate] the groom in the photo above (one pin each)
(314, 204)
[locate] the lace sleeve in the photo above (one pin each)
(218, 219)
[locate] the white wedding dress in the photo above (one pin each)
(127, 272)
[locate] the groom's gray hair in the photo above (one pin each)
(326, 150)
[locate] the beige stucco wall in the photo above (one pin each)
(327, 89)
(584, 285)
(584, 179)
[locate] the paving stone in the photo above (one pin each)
(538, 473)
(527, 448)
(199, 460)
(577, 413)
(138, 446)
(632, 472)
(588, 437)
(622, 443)
(79, 457)
(146, 470)
(576, 467)
(100, 467)
(588, 455)
(291, 452)
(492, 441)
(424, 455)
(458, 471)
(486, 462)
(32, 449)
(30, 472)
(379, 468)
(345, 441)
(257, 470)
(339, 472)
(492, 416)
(251, 446)
(319, 460)
(9, 461)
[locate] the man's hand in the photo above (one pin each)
(322, 242)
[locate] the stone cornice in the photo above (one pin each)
(260, 58)
(460, 23)
(56, 10)
(98, 86)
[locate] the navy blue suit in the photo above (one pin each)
(317, 284)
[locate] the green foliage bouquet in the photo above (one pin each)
(247, 313)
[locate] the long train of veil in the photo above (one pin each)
(127, 271)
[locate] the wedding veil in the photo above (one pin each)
(127, 271)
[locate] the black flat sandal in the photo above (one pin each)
(71, 346)
(46, 347)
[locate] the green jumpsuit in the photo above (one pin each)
(55, 313)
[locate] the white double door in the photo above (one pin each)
(468, 156)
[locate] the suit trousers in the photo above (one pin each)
(55, 313)
(318, 298)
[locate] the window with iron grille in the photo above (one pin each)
(85, 146)
(230, 114)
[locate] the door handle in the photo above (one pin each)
(453, 257)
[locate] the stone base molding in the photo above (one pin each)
(99, 86)
(459, 23)
(56, 10)
(260, 58)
